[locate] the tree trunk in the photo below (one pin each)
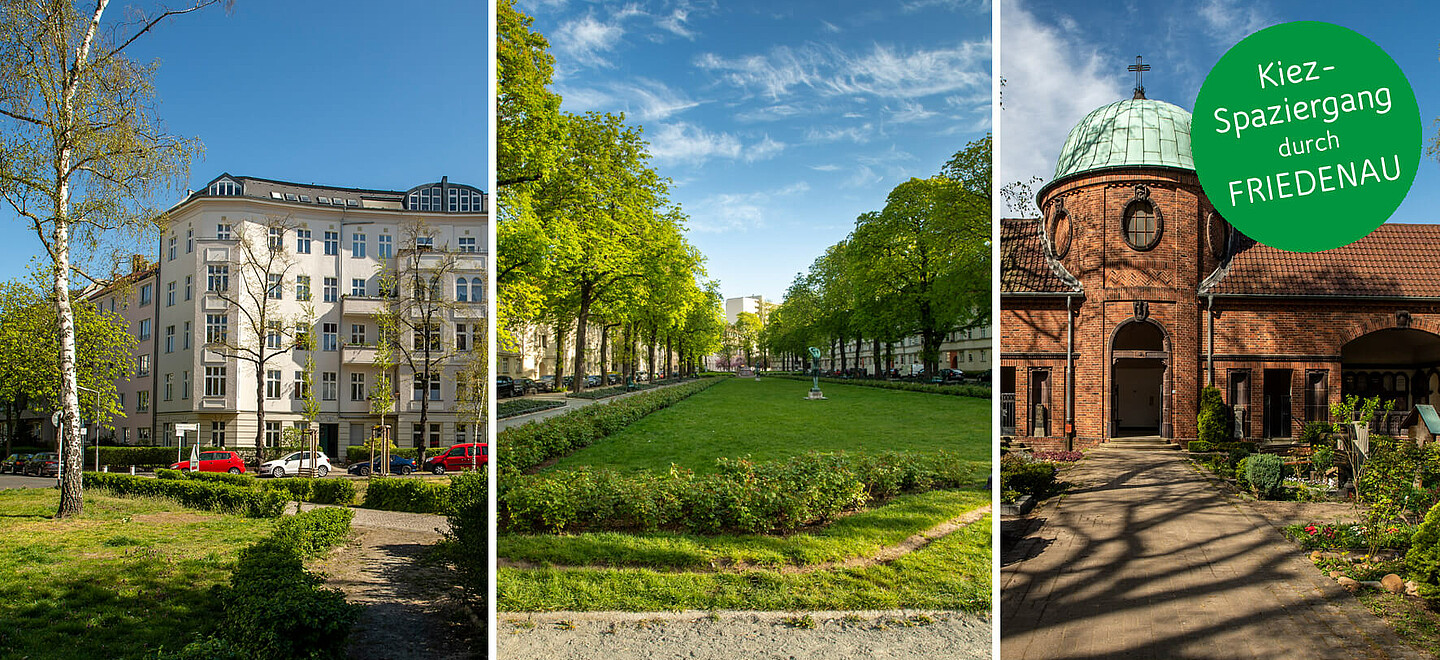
(650, 366)
(72, 499)
(875, 354)
(581, 321)
(669, 366)
(260, 412)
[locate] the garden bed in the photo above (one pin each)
(516, 407)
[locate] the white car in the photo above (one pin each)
(291, 464)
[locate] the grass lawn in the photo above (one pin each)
(770, 419)
(127, 577)
(952, 573)
(860, 535)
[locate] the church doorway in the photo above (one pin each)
(1277, 403)
(1138, 372)
(1401, 365)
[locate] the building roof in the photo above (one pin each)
(437, 196)
(1128, 133)
(1394, 261)
(1025, 264)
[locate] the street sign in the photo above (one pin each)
(55, 419)
(180, 427)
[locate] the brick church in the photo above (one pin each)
(1130, 293)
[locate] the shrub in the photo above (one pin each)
(1025, 477)
(333, 491)
(1323, 459)
(1339, 536)
(1242, 475)
(311, 533)
(1265, 472)
(192, 493)
(1423, 559)
(245, 480)
(975, 391)
(1059, 456)
(1215, 423)
(1315, 433)
(142, 457)
(276, 609)
(469, 516)
(523, 446)
(406, 494)
(513, 407)
(1200, 446)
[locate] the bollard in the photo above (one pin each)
(105, 468)
(132, 470)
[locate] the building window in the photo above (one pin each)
(142, 365)
(419, 392)
(302, 337)
(462, 338)
(384, 246)
(332, 289)
(467, 243)
(302, 241)
(272, 434)
(217, 327)
(462, 290)
(188, 278)
(434, 435)
(357, 333)
(170, 294)
(329, 386)
(218, 278)
(332, 243)
(142, 401)
(424, 243)
(477, 290)
(272, 383)
(225, 187)
(461, 436)
(273, 335)
(144, 328)
(185, 384)
(357, 287)
(170, 253)
(146, 293)
(277, 238)
(1141, 225)
(169, 386)
(330, 336)
(302, 287)
(217, 434)
(300, 388)
(189, 241)
(214, 381)
(186, 337)
(1317, 396)
(357, 246)
(418, 339)
(357, 386)
(222, 232)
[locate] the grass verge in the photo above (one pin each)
(859, 535)
(953, 573)
(770, 420)
(130, 576)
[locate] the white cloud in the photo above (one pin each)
(910, 112)
(1229, 21)
(829, 27)
(738, 212)
(643, 98)
(773, 75)
(857, 134)
(764, 150)
(1052, 80)
(585, 40)
(828, 167)
(675, 24)
(683, 142)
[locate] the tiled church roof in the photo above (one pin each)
(1395, 260)
(1023, 266)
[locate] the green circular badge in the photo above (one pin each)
(1306, 136)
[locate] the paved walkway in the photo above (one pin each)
(570, 404)
(1143, 558)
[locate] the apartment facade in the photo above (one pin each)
(314, 258)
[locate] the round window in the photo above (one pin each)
(1060, 234)
(1142, 225)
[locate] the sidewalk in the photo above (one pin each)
(1143, 558)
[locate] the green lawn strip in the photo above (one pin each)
(952, 573)
(859, 535)
(769, 419)
(128, 577)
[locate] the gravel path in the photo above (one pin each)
(430, 523)
(779, 635)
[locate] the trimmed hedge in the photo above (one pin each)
(407, 494)
(976, 391)
(1024, 477)
(513, 407)
(1205, 446)
(469, 516)
(299, 489)
(195, 494)
(742, 496)
(243, 480)
(142, 457)
(361, 454)
(527, 445)
(276, 609)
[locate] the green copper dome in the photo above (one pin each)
(1125, 134)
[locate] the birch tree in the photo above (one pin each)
(83, 155)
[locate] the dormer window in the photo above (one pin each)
(225, 187)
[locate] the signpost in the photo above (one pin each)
(180, 429)
(59, 446)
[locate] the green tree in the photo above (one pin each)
(83, 157)
(527, 113)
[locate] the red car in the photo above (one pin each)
(215, 461)
(470, 455)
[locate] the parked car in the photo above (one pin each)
(951, 375)
(613, 378)
(504, 387)
(545, 384)
(14, 463)
(215, 461)
(291, 465)
(398, 465)
(592, 380)
(463, 456)
(43, 464)
(523, 386)
(979, 377)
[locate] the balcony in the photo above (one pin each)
(361, 305)
(357, 354)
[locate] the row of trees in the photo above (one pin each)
(918, 267)
(587, 235)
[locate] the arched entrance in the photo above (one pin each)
(1396, 364)
(1139, 369)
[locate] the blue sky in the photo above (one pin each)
(778, 122)
(1062, 59)
(363, 94)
